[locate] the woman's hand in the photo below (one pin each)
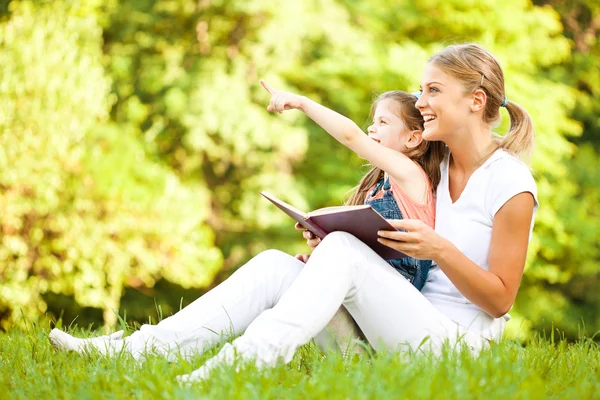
(311, 240)
(282, 101)
(419, 241)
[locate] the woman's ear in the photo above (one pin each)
(414, 139)
(479, 100)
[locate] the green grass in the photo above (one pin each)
(31, 369)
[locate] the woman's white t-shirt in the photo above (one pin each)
(467, 223)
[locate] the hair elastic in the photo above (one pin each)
(417, 94)
(505, 102)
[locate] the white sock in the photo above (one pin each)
(108, 345)
(226, 356)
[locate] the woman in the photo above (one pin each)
(485, 204)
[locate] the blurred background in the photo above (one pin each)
(134, 141)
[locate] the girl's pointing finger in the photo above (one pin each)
(267, 87)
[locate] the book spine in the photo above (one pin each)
(320, 233)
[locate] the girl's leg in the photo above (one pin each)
(342, 270)
(227, 309)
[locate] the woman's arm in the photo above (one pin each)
(345, 131)
(494, 290)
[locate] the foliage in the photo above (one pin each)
(559, 287)
(84, 209)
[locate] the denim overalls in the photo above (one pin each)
(413, 270)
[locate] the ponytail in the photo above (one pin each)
(520, 138)
(477, 68)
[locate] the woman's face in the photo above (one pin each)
(443, 104)
(388, 129)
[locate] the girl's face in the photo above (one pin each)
(444, 105)
(388, 129)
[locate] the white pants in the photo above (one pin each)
(279, 304)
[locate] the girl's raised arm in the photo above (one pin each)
(401, 168)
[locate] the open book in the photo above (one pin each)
(361, 221)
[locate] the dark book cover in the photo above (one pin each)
(361, 221)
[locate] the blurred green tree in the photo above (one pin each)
(560, 288)
(84, 210)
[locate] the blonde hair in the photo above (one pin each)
(477, 68)
(428, 155)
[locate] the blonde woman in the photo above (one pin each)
(485, 205)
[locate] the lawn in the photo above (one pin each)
(543, 368)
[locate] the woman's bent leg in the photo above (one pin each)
(342, 270)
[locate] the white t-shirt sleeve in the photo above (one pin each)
(509, 178)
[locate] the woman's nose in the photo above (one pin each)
(420, 101)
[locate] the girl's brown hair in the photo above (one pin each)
(428, 155)
(477, 68)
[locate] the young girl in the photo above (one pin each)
(394, 144)
(406, 167)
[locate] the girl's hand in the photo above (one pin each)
(303, 257)
(311, 240)
(282, 101)
(419, 241)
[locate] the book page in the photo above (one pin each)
(337, 209)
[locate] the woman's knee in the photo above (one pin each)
(342, 244)
(344, 248)
(339, 239)
(273, 262)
